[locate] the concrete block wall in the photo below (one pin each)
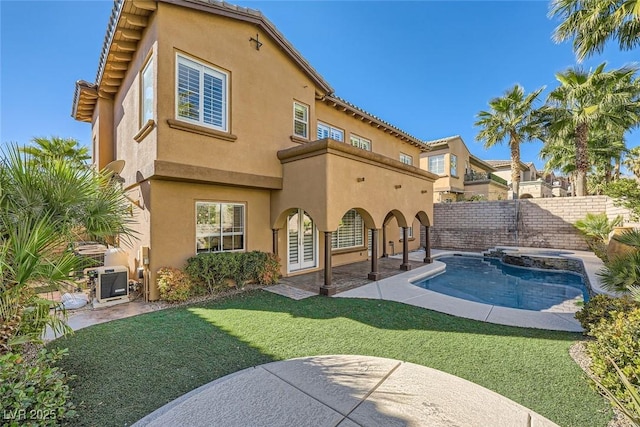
(526, 222)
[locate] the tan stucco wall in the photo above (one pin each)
(488, 189)
(173, 217)
(262, 88)
(331, 178)
(102, 133)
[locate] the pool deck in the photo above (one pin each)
(400, 288)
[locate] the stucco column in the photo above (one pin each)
(427, 246)
(374, 275)
(327, 289)
(275, 241)
(384, 241)
(405, 250)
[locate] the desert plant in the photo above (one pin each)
(604, 307)
(632, 410)
(33, 392)
(173, 284)
(617, 340)
(622, 274)
(595, 228)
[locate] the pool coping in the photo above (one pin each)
(399, 288)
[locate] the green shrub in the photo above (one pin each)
(34, 393)
(213, 271)
(617, 340)
(173, 284)
(604, 306)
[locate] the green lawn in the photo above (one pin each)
(128, 368)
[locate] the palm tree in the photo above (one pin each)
(510, 118)
(44, 205)
(586, 101)
(591, 23)
(632, 161)
(57, 148)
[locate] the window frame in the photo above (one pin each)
(331, 130)
(359, 140)
(453, 165)
(222, 233)
(410, 233)
(406, 156)
(335, 236)
(148, 66)
(305, 122)
(436, 157)
(203, 69)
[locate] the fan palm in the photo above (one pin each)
(591, 23)
(44, 204)
(510, 118)
(632, 161)
(586, 101)
(57, 148)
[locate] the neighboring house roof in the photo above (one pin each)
(498, 164)
(479, 162)
(443, 141)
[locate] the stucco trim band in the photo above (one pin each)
(200, 174)
(330, 146)
(201, 130)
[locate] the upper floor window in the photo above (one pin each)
(436, 164)
(360, 142)
(300, 120)
(327, 131)
(406, 159)
(350, 232)
(219, 227)
(201, 94)
(453, 164)
(146, 84)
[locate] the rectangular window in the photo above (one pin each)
(219, 227)
(360, 142)
(300, 120)
(453, 165)
(410, 232)
(406, 159)
(327, 131)
(146, 83)
(436, 164)
(350, 233)
(201, 94)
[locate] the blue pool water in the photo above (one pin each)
(489, 281)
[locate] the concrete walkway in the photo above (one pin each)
(344, 391)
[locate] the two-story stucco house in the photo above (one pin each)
(231, 141)
(461, 175)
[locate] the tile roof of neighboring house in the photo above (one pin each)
(499, 163)
(441, 141)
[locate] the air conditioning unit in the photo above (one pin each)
(112, 283)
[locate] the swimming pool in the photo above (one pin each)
(489, 281)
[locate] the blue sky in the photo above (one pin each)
(427, 67)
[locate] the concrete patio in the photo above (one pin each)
(345, 391)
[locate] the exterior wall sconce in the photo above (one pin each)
(360, 179)
(424, 191)
(397, 186)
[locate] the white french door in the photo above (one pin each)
(302, 241)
